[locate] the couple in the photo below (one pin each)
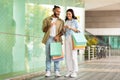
(54, 28)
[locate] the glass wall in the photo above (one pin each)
(114, 42)
(21, 50)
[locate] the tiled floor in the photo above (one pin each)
(102, 69)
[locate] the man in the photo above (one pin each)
(53, 29)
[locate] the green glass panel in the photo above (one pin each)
(21, 50)
(7, 24)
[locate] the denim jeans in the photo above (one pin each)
(48, 57)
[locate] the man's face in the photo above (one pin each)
(57, 12)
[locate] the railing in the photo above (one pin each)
(95, 52)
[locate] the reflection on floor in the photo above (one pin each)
(102, 69)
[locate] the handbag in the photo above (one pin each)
(55, 49)
(78, 41)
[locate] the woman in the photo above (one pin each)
(71, 26)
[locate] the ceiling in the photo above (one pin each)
(103, 5)
(95, 5)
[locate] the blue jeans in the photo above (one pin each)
(48, 57)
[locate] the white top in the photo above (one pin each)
(53, 28)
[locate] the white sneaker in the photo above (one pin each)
(57, 74)
(68, 74)
(48, 73)
(73, 75)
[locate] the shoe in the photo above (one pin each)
(68, 74)
(57, 74)
(48, 74)
(73, 75)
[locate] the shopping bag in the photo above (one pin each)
(78, 41)
(78, 46)
(79, 38)
(55, 49)
(58, 58)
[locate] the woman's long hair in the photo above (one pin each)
(73, 15)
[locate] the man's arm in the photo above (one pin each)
(45, 26)
(62, 30)
(56, 38)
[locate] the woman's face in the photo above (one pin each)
(69, 15)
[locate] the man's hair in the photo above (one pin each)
(55, 7)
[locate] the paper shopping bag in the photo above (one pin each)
(56, 49)
(78, 41)
(58, 58)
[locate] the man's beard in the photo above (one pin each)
(56, 15)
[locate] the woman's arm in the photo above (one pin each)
(71, 28)
(74, 29)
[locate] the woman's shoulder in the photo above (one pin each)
(74, 20)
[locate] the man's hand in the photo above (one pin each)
(66, 26)
(56, 38)
(53, 23)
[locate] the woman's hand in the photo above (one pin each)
(77, 31)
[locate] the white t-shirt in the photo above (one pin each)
(53, 28)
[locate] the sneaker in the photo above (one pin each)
(48, 73)
(57, 74)
(73, 75)
(68, 74)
